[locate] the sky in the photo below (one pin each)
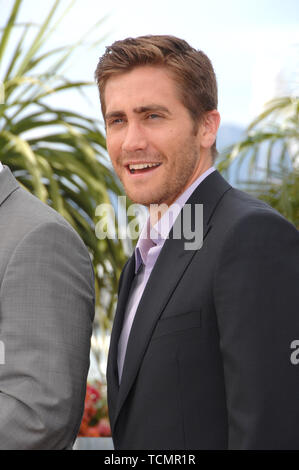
(253, 44)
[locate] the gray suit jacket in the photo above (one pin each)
(46, 314)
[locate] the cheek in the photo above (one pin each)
(164, 143)
(112, 149)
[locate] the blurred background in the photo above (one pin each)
(52, 135)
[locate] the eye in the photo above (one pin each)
(115, 121)
(153, 116)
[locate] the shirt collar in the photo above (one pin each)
(160, 231)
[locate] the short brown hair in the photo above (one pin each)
(191, 69)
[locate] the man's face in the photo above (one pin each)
(150, 136)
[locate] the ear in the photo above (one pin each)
(208, 128)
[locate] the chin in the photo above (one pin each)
(139, 198)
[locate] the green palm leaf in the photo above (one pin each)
(269, 153)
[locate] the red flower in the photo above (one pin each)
(104, 428)
(95, 421)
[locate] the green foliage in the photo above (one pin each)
(56, 154)
(269, 153)
(284, 197)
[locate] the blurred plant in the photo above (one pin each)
(95, 421)
(269, 156)
(58, 155)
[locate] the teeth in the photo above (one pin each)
(141, 166)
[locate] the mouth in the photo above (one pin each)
(142, 168)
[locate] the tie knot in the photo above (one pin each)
(145, 245)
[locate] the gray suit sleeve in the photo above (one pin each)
(257, 301)
(47, 309)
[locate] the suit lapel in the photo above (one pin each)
(8, 184)
(112, 371)
(173, 259)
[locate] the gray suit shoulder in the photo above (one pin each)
(36, 210)
(22, 214)
(25, 212)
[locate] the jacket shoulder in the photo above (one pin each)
(26, 212)
(240, 208)
(23, 213)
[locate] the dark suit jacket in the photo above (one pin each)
(208, 363)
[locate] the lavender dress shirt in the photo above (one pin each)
(147, 250)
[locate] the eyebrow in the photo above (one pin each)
(139, 110)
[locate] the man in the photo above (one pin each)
(200, 353)
(46, 314)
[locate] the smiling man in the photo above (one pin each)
(201, 342)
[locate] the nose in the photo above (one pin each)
(134, 138)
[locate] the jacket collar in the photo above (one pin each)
(8, 184)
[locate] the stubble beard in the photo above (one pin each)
(172, 187)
